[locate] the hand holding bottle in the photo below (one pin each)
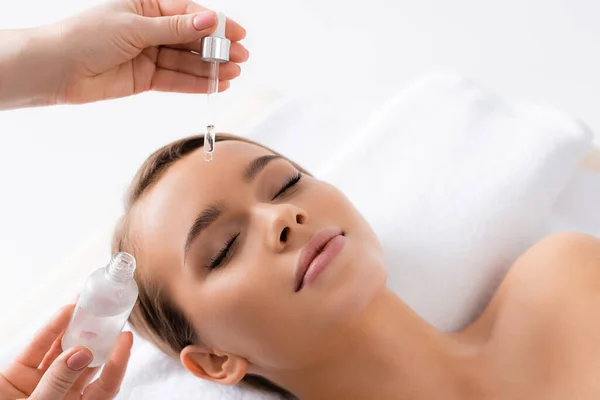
(44, 372)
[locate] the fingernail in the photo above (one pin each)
(79, 360)
(204, 20)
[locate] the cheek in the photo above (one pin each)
(254, 314)
(246, 311)
(338, 206)
(329, 200)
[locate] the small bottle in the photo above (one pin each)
(104, 305)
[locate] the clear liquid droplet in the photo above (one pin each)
(209, 143)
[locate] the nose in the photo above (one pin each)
(282, 223)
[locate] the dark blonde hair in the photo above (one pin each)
(155, 317)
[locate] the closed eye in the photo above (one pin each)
(223, 255)
(293, 180)
(226, 251)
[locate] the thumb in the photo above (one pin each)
(177, 29)
(62, 374)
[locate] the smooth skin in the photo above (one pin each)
(117, 49)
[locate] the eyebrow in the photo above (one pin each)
(211, 213)
(257, 165)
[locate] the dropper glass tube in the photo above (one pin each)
(215, 50)
(213, 88)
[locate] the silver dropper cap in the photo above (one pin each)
(215, 48)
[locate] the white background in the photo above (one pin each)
(64, 169)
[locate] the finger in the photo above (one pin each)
(33, 355)
(156, 31)
(233, 30)
(62, 374)
(84, 379)
(52, 354)
(108, 384)
(172, 81)
(237, 52)
(190, 63)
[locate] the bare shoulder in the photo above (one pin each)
(556, 272)
(544, 322)
(560, 272)
(563, 261)
(566, 244)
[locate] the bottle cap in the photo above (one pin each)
(215, 48)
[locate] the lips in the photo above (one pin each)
(328, 241)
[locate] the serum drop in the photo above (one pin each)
(104, 305)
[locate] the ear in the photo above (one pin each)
(214, 366)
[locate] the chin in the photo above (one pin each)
(346, 301)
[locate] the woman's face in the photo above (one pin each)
(226, 239)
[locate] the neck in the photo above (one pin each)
(389, 353)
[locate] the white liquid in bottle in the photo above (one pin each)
(103, 307)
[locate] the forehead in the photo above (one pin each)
(161, 218)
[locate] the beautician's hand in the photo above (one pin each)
(116, 49)
(44, 372)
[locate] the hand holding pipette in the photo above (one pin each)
(156, 44)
